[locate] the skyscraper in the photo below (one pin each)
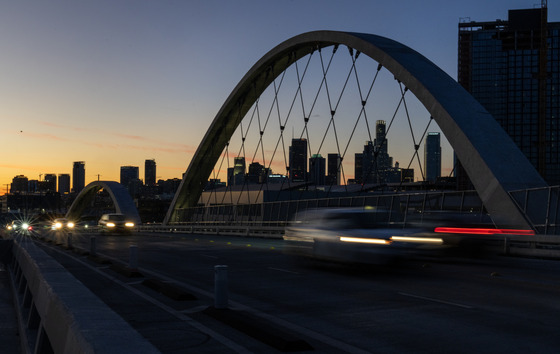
(432, 157)
(298, 160)
(239, 169)
(358, 168)
(129, 178)
(150, 172)
(513, 69)
(333, 169)
(19, 184)
(376, 160)
(78, 176)
(50, 182)
(64, 183)
(317, 170)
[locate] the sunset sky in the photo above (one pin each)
(116, 82)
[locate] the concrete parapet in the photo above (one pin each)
(71, 316)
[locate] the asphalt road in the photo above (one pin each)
(427, 305)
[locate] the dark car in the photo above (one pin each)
(115, 222)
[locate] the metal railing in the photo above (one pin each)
(541, 208)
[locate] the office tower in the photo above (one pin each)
(19, 184)
(298, 160)
(50, 182)
(128, 173)
(78, 176)
(333, 169)
(64, 183)
(513, 69)
(150, 172)
(257, 173)
(432, 157)
(238, 170)
(130, 178)
(358, 168)
(376, 161)
(317, 170)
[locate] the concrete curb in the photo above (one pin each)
(72, 317)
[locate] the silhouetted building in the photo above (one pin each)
(49, 183)
(317, 170)
(358, 168)
(257, 173)
(150, 172)
(63, 183)
(129, 179)
(298, 160)
(333, 170)
(432, 156)
(19, 184)
(78, 176)
(376, 161)
(513, 69)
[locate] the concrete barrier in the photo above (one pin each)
(71, 318)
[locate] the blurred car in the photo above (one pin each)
(353, 235)
(62, 224)
(19, 227)
(115, 222)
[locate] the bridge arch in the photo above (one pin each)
(119, 195)
(493, 162)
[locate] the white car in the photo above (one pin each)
(356, 235)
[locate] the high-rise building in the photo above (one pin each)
(376, 160)
(358, 168)
(130, 178)
(333, 169)
(49, 183)
(298, 160)
(78, 176)
(317, 169)
(257, 173)
(513, 69)
(150, 172)
(64, 183)
(239, 169)
(432, 156)
(19, 184)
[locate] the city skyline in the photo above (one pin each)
(114, 84)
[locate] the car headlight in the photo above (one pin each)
(129, 224)
(110, 224)
(58, 225)
(70, 224)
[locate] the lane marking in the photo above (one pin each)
(284, 270)
(192, 322)
(209, 256)
(437, 300)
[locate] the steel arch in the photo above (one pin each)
(119, 195)
(491, 159)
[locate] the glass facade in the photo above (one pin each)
(513, 72)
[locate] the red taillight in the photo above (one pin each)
(481, 231)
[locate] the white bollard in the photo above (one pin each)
(220, 287)
(92, 250)
(133, 257)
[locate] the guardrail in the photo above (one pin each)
(276, 230)
(58, 314)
